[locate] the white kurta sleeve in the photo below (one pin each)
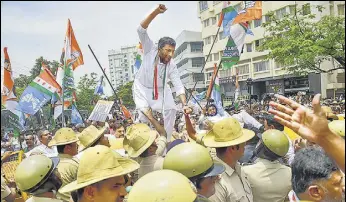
(147, 43)
(175, 78)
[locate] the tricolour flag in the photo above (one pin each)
(228, 15)
(235, 43)
(251, 11)
(138, 58)
(214, 91)
(39, 92)
(8, 93)
(71, 58)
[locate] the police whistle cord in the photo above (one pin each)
(103, 71)
(211, 48)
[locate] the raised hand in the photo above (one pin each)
(161, 8)
(311, 125)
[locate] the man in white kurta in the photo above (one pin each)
(144, 86)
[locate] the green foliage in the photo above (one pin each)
(85, 92)
(302, 43)
(124, 93)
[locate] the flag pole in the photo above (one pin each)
(194, 98)
(205, 62)
(116, 96)
(213, 80)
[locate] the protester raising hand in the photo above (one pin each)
(311, 125)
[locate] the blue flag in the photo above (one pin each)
(32, 100)
(75, 116)
(99, 87)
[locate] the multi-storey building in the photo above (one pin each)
(121, 65)
(189, 59)
(268, 76)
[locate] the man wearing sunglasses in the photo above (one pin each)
(150, 88)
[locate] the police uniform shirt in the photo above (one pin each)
(42, 199)
(269, 181)
(150, 164)
(233, 186)
(5, 190)
(68, 168)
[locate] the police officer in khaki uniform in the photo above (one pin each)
(163, 185)
(269, 179)
(101, 176)
(141, 141)
(195, 162)
(38, 176)
(65, 140)
(229, 139)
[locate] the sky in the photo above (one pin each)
(34, 29)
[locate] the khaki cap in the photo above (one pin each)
(99, 163)
(138, 138)
(329, 112)
(227, 132)
(63, 136)
(89, 136)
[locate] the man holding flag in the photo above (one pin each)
(150, 88)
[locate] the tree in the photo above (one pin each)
(125, 94)
(85, 92)
(300, 41)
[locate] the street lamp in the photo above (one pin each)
(249, 84)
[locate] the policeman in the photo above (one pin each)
(163, 185)
(270, 180)
(38, 176)
(65, 140)
(101, 176)
(195, 162)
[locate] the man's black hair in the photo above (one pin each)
(272, 122)
(166, 41)
(310, 164)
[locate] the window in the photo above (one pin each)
(210, 58)
(258, 43)
(216, 56)
(306, 9)
(213, 20)
(184, 76)
(120, 72)
(197, 62)
(216, 2)
(221, 36)
(261, 66)
(126, 69)
(243, 69)
(207, 40)
(198, 77)
(257, 23)
(341, 9)
(281, 13)
(196, 47)
(292, 9)
(249, 47)
(126, 74)
(267, 18)
(203, 5)
(206, 23)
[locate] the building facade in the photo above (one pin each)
(189, 59)
(121, 65)
(268, 76)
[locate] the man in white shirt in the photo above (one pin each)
(150, 88)
(45, 137)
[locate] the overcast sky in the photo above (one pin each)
(34, 29)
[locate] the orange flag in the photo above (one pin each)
(8, 91)
(126, 112)
(253, 11)
(71, 50)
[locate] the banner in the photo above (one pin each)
(101, 111)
